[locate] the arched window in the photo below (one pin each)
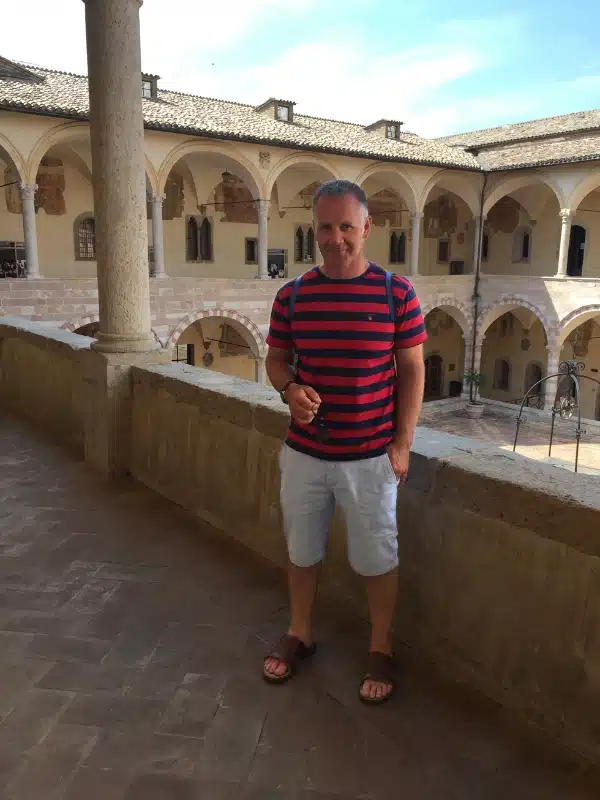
(398, 247)
(310, 244)
(85, 238)
(299, 249)
(502, 375)
(205, 247)
(199, 246)
(522, 245)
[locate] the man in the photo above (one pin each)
(355, 396)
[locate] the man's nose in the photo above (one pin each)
(337, 237)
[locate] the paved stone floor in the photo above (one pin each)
(534, 437)
(130, 651)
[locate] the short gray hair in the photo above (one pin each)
(338, 188)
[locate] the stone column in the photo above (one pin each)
(476, 367)
(551, 384)
(158, 238)
(29, 230)
(263, 239)
(566, 217)
(415, 242)
(479, 221)
(261, 370)
(117, 139)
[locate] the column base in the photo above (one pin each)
(115, 343)
(108, 390)
(37, 277)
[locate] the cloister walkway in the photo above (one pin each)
(130, 649)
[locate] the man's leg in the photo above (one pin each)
(307, 505)
(302, 583)
(368, 490)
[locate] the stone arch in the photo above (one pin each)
(227, 313)
(579, 315)
(456, 184)
(459, 311)
(493, 311)
(64, 134)
(14, 158)
(89, 319)
(512, 183)
(298, 159)
(590, 182)
(195, 147)
(407, 187)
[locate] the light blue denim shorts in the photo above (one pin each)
(366, 490)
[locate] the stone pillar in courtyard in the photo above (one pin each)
(30, 230)
(158, 237)
(261, 370)
(551, 385)
(566, 218)
(263, 239)
(119, 178)
(415, 242)
(479, 222)
(125, 338)
(470, 365)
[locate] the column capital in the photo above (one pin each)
(28, 190)
(566, 215)
(158, 198)
(417, 215)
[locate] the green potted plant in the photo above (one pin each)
(475, 380)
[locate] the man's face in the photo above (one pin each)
(341, 229)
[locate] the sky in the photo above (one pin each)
(439, 67)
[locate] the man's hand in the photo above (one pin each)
(399, 455)
(304, 403)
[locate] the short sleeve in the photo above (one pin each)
(280, 332)
(410, 324)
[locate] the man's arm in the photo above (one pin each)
(410, 384)
(279, 365)
(303, 400)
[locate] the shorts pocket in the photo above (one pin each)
(390, 468)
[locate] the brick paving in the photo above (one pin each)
(130, 649)
(534, 437)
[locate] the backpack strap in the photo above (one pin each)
(390, 295)
(295, 287)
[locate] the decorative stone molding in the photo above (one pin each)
(506, 301)
(227, 313)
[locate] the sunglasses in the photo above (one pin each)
(322, 432)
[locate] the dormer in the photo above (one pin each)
(390, 128)
(280, 110)
(150, 86)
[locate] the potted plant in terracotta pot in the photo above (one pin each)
(476, 380)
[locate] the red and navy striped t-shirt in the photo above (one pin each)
(344, 338)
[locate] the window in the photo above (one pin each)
(502, 375)
(283, 113)
(251, 251)
(304, 244)
(522, 245)
(147, 89)
(199, 246)
(397, 247)
(85, 238)
(485, 247)
(184, 353)
(443, 251)
(391, 131)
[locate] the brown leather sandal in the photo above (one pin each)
(289, 650)
(379, 668)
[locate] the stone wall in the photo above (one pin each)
(500, 575)
(42, 377)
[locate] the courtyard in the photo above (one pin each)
(498, 428)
